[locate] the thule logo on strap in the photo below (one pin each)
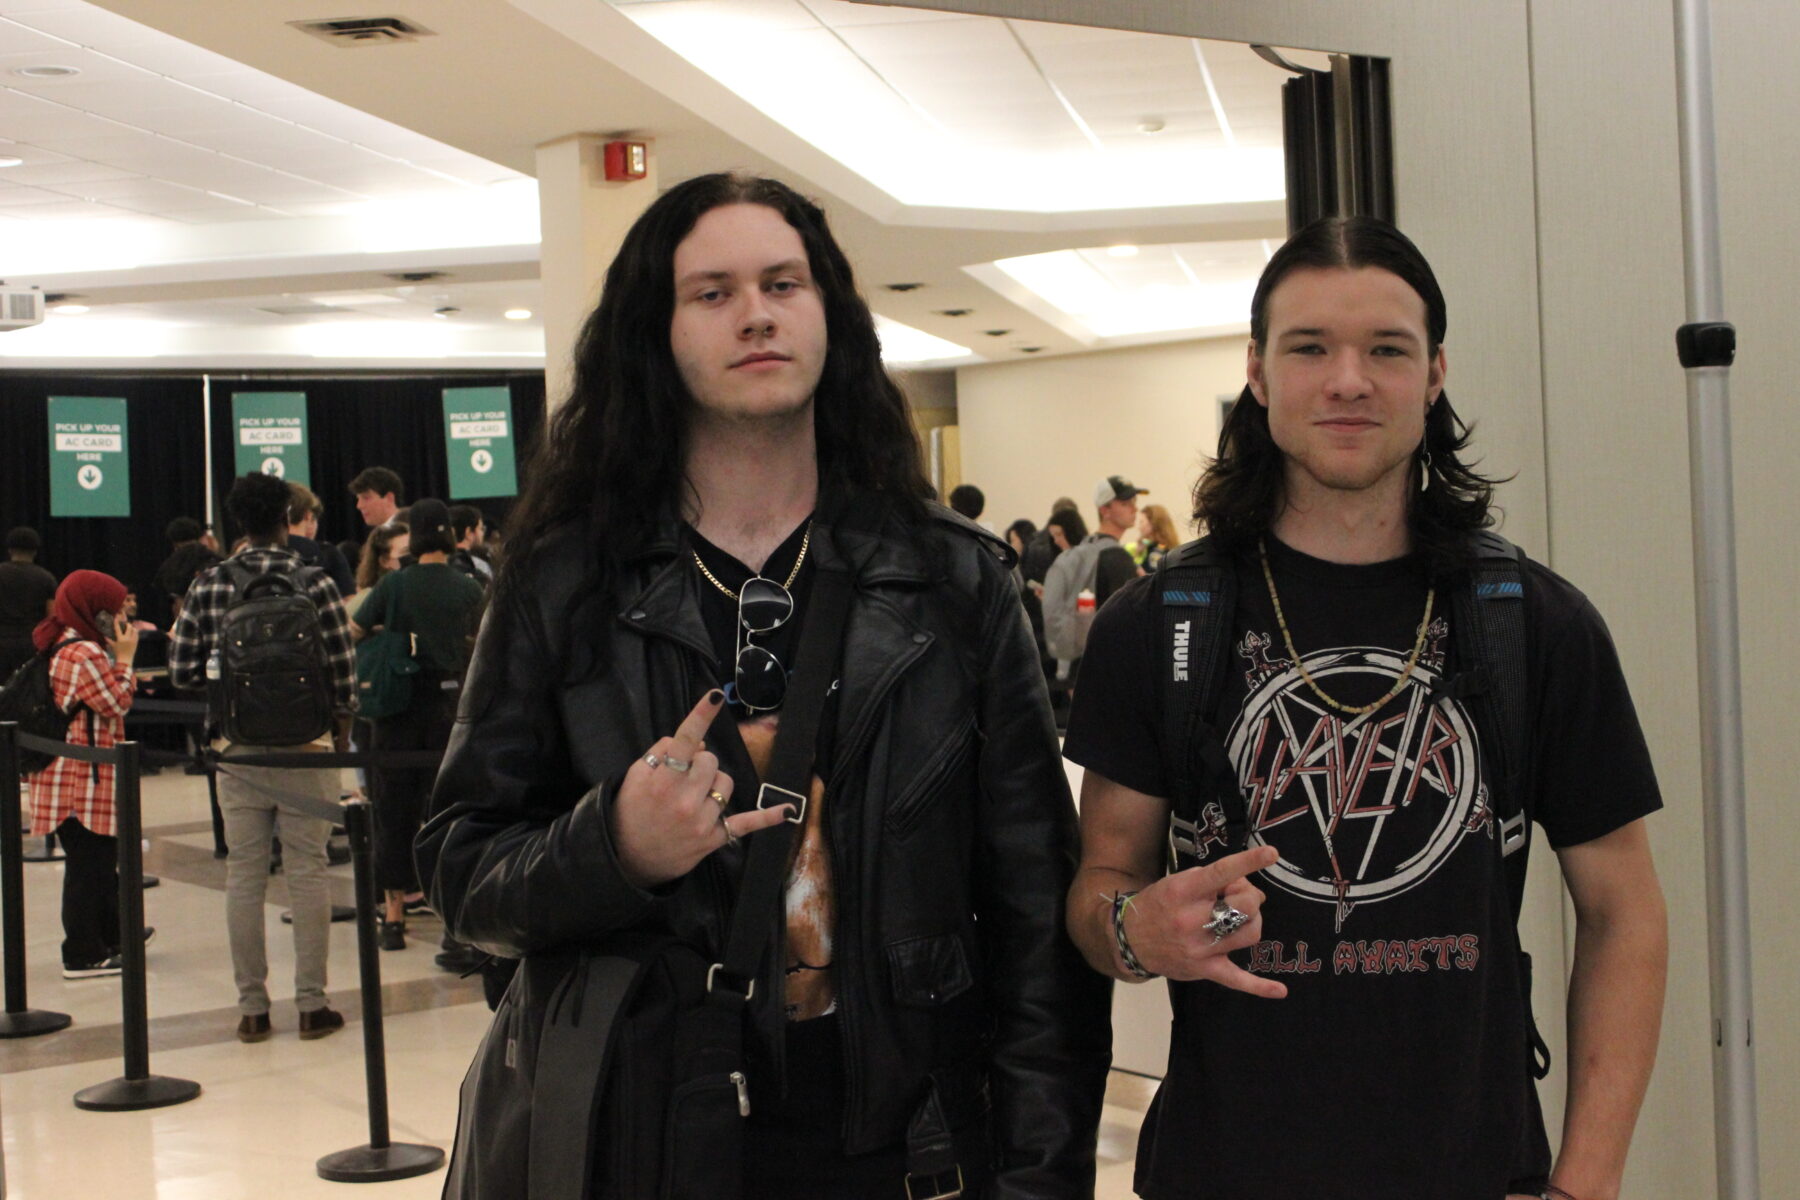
(1182, 629)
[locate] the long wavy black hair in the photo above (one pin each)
(612, 458)
(1240, 494)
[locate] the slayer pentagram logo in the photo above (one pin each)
(1361, 807)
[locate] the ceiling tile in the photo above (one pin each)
(69, 170)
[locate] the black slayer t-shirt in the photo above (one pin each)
(1397, 1064)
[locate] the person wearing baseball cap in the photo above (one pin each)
(1113, 489)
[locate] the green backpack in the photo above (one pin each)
(385, 668)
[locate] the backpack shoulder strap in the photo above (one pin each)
(1491, 636)
(1196, 589)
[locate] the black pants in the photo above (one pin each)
(90, 899)
(401, 795)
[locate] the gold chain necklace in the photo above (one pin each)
(805, 541)
(1288, 640)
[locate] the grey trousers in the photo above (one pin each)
(258, 803)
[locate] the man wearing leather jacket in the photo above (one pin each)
(731, 435)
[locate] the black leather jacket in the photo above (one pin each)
(949, 821)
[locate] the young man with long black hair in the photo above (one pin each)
(1372, 1039)
(730, 421)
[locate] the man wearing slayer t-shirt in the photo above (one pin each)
(1370, 1034)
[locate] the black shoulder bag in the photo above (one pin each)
(618, 1070)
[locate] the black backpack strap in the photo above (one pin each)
(1491, 655)
(1196, 589)
(1491, 661)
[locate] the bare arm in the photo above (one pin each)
(1615, 1005)
(1122, 841)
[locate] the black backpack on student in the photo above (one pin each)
(274, 685)
(1196, 587)
(27, 699)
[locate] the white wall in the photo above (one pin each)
(1033, 431)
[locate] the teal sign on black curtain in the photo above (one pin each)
(90, 469)
(478, 442)
(269, 433)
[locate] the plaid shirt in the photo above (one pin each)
(197, 632)
(82, 673)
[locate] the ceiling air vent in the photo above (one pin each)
(361, 31)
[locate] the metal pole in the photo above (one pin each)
(130, 828)
(137, 1089)
(381, 1159)
(206, 447)
(1707, 346)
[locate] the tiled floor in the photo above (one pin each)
(266, 1112)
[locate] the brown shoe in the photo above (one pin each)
(253, 1028)
(320, 1022)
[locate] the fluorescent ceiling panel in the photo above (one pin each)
(976, 112)
(902, 345)
(1160, 289)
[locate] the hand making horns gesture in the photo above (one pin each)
(1166, 922)
(673, 808)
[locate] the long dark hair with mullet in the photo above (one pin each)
(611, 460)
(1240, 494)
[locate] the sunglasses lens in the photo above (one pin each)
(761, 681)
(764, 605)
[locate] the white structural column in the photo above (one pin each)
(584, 219)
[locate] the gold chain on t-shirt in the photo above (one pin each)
(805, 541)
(1287, 639)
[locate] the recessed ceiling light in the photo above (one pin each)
(517, 314)
(996, 332)
(954, 312)
(1152, 125)
(7, 160)
(72, 310)
(445, 313)
(902, 287)
(46, 71)
(1123, 251)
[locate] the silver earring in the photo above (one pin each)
(1424, 470)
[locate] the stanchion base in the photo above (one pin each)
(369, 1164)
(31, 1022)
(130, 1095)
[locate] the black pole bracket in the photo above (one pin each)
(1706, 344)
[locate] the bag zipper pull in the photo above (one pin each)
(743, 1087)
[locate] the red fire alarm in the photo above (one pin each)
(626, 160)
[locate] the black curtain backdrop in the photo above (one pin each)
(389, 420)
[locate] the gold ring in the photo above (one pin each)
(718, 798)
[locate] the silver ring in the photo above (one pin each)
(731, 839)
(676, 764)
(651, 761)
(1226, 921)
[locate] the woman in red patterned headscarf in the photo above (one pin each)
(91, 643)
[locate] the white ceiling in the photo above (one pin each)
(210, 162)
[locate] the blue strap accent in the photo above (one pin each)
(1196, 599)
(1512, 590)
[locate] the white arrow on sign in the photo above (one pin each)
(482, 461)
(89, 477)
(275, 467)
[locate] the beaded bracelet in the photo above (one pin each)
(1120, 902)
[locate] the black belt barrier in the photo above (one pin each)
(379, 1160)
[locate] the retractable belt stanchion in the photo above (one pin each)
(18, 1020)
(380, 1159)
(1707, 345)
(137, 1088)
